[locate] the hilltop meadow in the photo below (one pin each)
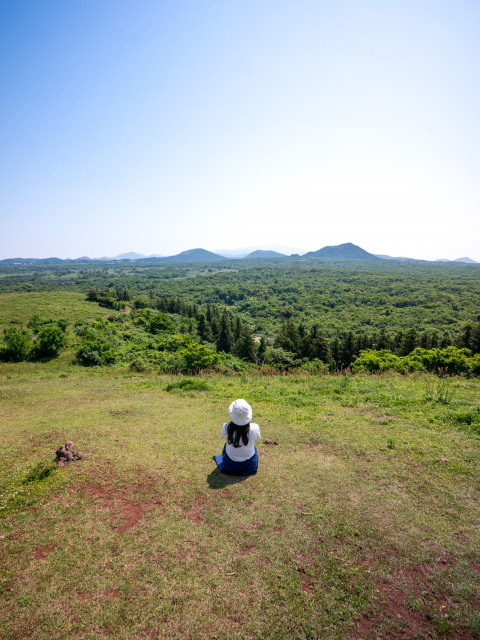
(363, 519)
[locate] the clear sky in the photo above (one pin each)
(152, 126)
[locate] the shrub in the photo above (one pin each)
(372, 361)
(279, 358)
(451, 360)
(161, 322)
(187, 384)
(37, 321)
(197, 356)
(94, 352)
(79, 330)
(16, 344)
(140, 303)
(232, 363)
(49, 341)
(138, 365)
(63, 324)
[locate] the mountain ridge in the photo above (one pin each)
(264, 254)
(345, 251)
(191, 255)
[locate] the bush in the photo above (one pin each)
(451, 361)
(94, 352)
(140, 303)
(37, 321)
(166, 362)
(49, 341)
(16, 344)
(187, 384)
(278, 356)
(161, 322)
(63, 324)
(177, 343)
(373, 361)
(138, 365)
(197, 356)
(232, 363)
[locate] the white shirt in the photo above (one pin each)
(244, 451)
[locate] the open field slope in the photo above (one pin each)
(17, 309)
(363, 522)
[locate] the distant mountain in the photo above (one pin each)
(14, 261)
(245, 251)
(131, 255)
(346, 251)
(192, 255)
(467, 260)
(265, 254)
(399, 259)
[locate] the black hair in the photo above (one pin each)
(235, 432)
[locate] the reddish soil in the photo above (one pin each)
(40, 553)
(126, 511)
(306, 584)
(109, 594)
(246, 551)
(397, 618)
(195, 513)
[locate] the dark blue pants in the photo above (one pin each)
(245, 468)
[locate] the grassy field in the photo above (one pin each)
(363, 522)
(18, 308)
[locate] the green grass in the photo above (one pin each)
(144, 538)
(17, 309)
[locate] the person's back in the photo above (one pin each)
(241, 451)
(239, 456)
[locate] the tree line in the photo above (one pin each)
(298, 342)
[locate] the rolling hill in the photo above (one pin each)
(265, 254)
(192, 255)
(346, 251)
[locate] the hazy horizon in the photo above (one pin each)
(233, 252)
(158, 127)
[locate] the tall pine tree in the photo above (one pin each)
(225, 336)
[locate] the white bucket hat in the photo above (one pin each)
(240, 412)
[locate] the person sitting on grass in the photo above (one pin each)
(239, 456)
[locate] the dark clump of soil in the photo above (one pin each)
(67, 453)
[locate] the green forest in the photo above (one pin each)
(340, 296)
(284, 314)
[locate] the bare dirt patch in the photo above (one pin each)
(119, 500)
(131, 514)
(40, 553)
(246, 551)
(195, 513)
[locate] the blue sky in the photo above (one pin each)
(158, 127)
